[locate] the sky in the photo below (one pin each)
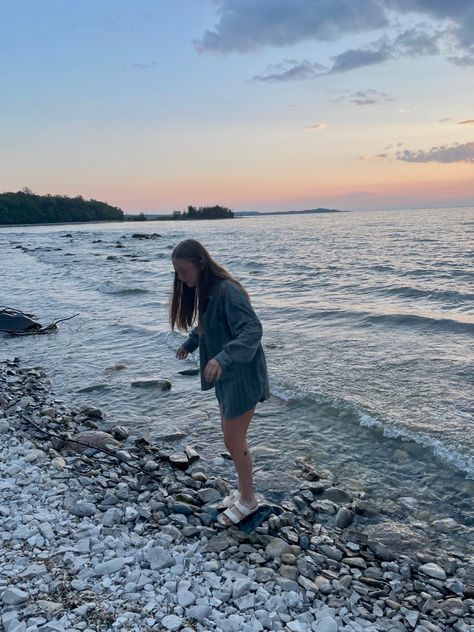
(151, 105)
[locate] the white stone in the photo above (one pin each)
(186, 598)
(171, 622)
(432, 570)
(14, 596)
(326, 624)
(198, 613)
(112, 566)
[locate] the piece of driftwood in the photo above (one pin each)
(17, 323)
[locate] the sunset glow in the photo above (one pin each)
(152, 106)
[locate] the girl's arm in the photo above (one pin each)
(245, 328)
(192, 343)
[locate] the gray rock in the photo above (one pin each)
(331, 551)
(120, 432)
(82, 441)
(179, 460)
(80, 508)
(14, 596)
(112, 566)
(220, 542)
(326, 624)
(432, 570)
(337, 496)
(194, 371)
(171, 622)
(198, 613)
(241, 587)
(186, 598)
(112, 517)
(208, 495)
(160, 384)
(159, 558)
(344, 518)
(277, 547)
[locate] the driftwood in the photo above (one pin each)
(17, 323)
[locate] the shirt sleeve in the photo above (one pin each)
(192, 343)
(245, 328)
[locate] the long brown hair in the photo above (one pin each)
(188, 304)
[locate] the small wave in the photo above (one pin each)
(422, 322)
(344, 410)
(414, 292)
(110, 288)
(445, 453)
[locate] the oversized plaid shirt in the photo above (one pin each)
(231, 335)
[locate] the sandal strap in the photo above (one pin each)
(233, 513)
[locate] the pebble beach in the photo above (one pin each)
(122, 536)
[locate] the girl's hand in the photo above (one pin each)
(181, 353)
(213, 371)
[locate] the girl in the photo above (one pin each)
(228, 335)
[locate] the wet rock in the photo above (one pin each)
(194, 371)
(118, 366)
(91, 413)
(337, 496)
(160, 384)
(82, 441)
(344, 518)
(120, 433)
(92, 388)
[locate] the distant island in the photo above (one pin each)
(308, 211)
(197, 212)
(24, 207)
(222, 212)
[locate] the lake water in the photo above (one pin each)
(368, 330)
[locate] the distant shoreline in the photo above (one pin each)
(162, 218)
(312, 211)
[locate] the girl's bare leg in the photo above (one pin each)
(235, 439)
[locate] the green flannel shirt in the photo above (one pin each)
(231, 335)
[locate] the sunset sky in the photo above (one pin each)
(152, 105)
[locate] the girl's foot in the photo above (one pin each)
(236, 513)
(229, 500)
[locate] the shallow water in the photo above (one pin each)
(368, 321)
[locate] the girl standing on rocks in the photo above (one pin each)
(228, 335)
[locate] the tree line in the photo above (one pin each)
(24, 207)
(204, 212)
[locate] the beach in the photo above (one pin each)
(90, 542)
(369, 347)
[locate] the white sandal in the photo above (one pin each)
(235, 513)
(228, 500)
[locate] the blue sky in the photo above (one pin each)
(269, 104)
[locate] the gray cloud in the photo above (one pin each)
(417, 41)
(291, 70)
(411, 42)
(467, 122)
(246, 25)
(455, 153)
(357, 58)
(365, 97)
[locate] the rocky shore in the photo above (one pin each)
(122, 536)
